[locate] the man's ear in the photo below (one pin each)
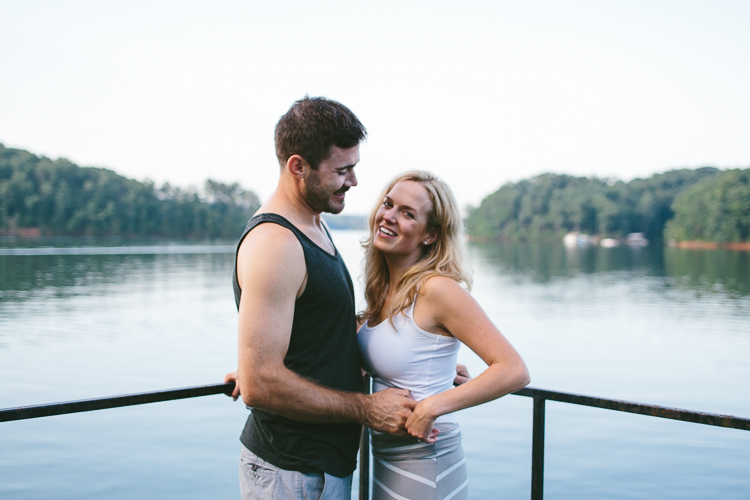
(297, 166)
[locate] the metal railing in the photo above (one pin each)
(540, 396)
(52, 409)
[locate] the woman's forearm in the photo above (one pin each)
(496, 381)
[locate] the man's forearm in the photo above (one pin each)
(285, 393)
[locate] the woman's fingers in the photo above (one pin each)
(422, 429)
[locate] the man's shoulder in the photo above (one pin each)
(272, 258)
(271, 240)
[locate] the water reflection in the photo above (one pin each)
(27, 276)
(710, 270)
(702, 270)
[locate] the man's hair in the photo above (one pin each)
(312, 126)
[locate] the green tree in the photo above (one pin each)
(716, 209)
(549, 205)
(61, 198)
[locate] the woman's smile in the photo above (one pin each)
(387, 232)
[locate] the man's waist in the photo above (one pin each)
(302, 446)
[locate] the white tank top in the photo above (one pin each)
(404, 356)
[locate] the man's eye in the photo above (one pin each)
(409, 215)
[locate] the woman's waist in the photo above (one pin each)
(394, 447)
(418, 391)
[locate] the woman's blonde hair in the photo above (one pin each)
(441, 258)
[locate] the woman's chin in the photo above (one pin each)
(382, 244)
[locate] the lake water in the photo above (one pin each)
(654, 325)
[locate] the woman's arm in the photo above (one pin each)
(443, 307)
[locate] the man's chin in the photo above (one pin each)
(334, 209)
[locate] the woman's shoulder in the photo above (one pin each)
(440, 298)
(440, 288)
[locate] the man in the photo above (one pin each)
(299, 365)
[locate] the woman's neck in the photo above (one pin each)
(397, 267)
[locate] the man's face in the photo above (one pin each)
(326, 187)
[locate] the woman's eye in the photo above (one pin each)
(409, 215)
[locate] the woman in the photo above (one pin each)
(417, 315)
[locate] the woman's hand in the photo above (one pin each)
(421, 423)
(232, 377)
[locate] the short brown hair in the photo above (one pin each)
(312, 126)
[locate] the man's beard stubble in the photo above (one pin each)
(319, 198)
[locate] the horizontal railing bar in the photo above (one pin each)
(48, 410)
(640, 408)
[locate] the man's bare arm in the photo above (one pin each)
(271, 271)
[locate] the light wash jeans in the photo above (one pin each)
(260, 480)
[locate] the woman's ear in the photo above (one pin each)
(296, 166)
(430, 239)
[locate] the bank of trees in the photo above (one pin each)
(61, 198)
(547, 206)
(716, 210)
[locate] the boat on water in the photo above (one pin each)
(575, 239)
(636, 240)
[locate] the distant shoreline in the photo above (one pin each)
(742, 246)
(712, 245)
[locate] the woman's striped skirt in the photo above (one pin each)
(408, 469)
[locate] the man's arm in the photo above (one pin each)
(272, 274)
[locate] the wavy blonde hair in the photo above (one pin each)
(444, 257)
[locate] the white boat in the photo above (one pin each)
(575, 239)
(636, 240)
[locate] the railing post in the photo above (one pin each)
(364, 454)
(537, 451)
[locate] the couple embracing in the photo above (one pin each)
(302, 345)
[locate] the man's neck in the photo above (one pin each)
(288, 202)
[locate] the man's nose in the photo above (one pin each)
(351, 178)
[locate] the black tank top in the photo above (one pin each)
(323, 348)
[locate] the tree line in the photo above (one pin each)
(60, 198)
(717, 209)
(692, 204)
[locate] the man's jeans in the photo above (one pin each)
(260, 480)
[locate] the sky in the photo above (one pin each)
(479, 92)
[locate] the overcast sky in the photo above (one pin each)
(480, 92)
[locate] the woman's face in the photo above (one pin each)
(401, 221)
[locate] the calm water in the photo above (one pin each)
(662, 326)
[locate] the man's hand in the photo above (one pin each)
(462, 375)
(388, 410)
(232, 377)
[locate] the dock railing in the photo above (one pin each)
(540, 396)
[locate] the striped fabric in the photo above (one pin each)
(407, 469)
